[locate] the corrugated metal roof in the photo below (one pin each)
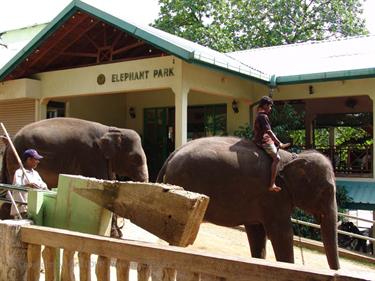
(174, 45)
(351, 57)
(362, 193)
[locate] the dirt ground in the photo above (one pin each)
(233, 242)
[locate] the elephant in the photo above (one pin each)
(235, 174)
(80, 147)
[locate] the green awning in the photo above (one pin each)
(361, 192)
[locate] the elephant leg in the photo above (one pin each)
(257, 240)
(281, 236)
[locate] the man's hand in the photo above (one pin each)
(284, 145)
(32, 185)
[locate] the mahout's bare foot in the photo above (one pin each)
(274, 188)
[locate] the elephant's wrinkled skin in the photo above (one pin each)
(235, 174)
(75, 146)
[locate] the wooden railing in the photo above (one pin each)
(186, 264)
(353, 159)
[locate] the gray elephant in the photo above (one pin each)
(235, 174)
(75, 146)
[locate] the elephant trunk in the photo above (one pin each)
(329, 237)
(141, 175)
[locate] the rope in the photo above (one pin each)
(300, 244)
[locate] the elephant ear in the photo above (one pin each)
(295, 170)
(110, 143)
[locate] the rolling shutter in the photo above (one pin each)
(16, 114)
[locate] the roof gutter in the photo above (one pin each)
(324, 76)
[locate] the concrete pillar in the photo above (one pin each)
(40, 109)
(13, 253)
(309, 131)
(181, 104)
(332, 142)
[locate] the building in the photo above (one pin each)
(89, 64)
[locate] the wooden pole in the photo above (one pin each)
(19, 161)
(14, 150)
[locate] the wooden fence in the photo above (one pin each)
(181, 262)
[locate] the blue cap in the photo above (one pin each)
(32, 153)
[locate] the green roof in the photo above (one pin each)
(361, 192)
(171, 44)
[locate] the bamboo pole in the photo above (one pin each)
(14, 151)
(338, 231)
(19, 161)
(354, 217)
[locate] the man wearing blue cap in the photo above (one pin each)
(28, 177)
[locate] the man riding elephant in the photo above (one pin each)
(236, 174)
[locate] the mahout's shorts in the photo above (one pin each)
(271, 149)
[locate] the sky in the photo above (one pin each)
(19, 13)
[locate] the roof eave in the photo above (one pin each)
(326, 76)
(32, 45)
(242, 74)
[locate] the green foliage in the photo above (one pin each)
(284, 120)
(229, 25)
(245, 132)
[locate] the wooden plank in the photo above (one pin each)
(84, 260)
(209, 277)
(180, 258)
(166, 211)
(49, 257)
(67, 271)
(33, 262)
(169, 274)
(102, 270)
(122, 270)
(144, 272)
(188, 276)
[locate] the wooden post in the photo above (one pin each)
(49, 257)
(103, 268)
(84, 266)
(67, 271)
(13, 253)
(144, 272)
(169, 274)
(33, 262)
(122, 270)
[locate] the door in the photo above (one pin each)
(155, 139)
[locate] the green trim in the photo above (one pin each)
(326, 76)
(229, 71)
(360, 206)
(143, 34)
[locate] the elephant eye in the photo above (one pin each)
(135, 159)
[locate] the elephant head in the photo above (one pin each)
(310, 181)
(123, 149)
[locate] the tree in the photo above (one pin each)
(229, 25)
